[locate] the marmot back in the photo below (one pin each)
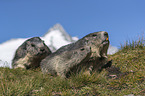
(30, 53)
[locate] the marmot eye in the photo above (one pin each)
(106, 34)
(33, 45)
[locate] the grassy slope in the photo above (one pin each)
(126, 76)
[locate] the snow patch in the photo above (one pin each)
(54, 39)
(112, 50)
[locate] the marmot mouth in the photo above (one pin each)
(105, 42)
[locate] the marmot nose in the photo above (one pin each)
(106, 36)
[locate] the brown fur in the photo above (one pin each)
(90, 53)
(30, 54)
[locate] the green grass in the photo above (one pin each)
(126, 76)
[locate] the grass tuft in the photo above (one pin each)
(139, 44)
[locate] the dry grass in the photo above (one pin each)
(125, 76)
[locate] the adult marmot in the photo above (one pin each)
(90, 52)
(30, 53)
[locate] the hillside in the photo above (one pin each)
(125, 76)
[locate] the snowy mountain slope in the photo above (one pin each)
(57, 37)
(112, 50)
(7, 50)
(58, 27)
(54, 39)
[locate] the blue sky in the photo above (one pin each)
(122, 19)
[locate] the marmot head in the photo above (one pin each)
(30, 53)
(98, 41)
(98, 38)
(36, 47)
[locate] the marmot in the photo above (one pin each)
(90, 52)
(30, 53)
